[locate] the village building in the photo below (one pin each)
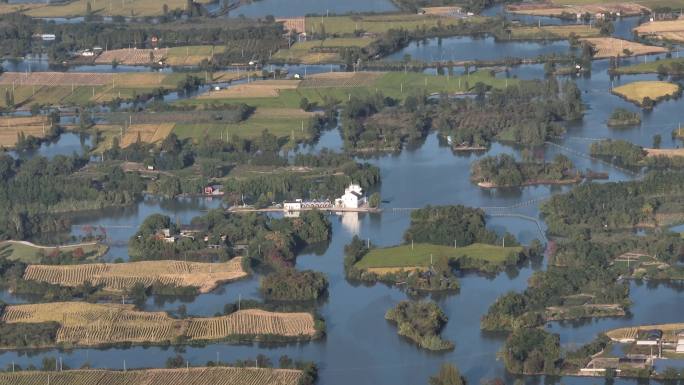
(215, 190)
(295, 205)
(352, 199)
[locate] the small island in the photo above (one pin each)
(646, 94)
(504, 171)
(421, 322)
(622, 117)
(292, 285)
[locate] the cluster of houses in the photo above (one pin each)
(352, 198)
(185, 232)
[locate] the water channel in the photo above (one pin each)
(360, 346)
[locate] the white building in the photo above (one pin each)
(295, 205)
(352, 198)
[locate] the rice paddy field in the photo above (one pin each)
(148, 133)
(419, 255)
(31, 253)
(90, 324)
(65, 88)
(611, 47)
(132, 56)
(637, 91)
(630, 333)
(125, 8)
(124, 276)
(319, 51)
(191, 55)
(11, 126)
(184, 376)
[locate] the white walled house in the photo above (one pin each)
(292, 205)
(352, 198)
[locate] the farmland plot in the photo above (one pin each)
(257, 89)
(341, 79)
(132, 56)
(611, 47)
(123, 276)
(88, 324)
(148, 133)
(55, 79)
(194, 376)
(11, 126)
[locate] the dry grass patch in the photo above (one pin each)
(441, 11)
(668, 152)
(132, 56)
(149, 133)
(341, 79)
(123, 276)
(11, 126)
(611, 47)
(297, 24)
(92, 324)
(195, 376)
(637, 91)
(256, 89)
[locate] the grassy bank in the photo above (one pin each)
(30, 253)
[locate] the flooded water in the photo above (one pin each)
(67, 144)
(468, 48)
(361, 347)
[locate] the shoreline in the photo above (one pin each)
(533, 182)
(329, 209)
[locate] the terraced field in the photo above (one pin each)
(123, 276)
(88, 324)
(194, 376)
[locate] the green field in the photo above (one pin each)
(346, 25)
(306, 52)
(418, 255)
(398, 85)
(648, 67)
(283, 123)
(32, 254)
(552, 32)
(105, 8)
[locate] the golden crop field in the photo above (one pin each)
(669, 331)
(194, 376)
(11, 126)
(132, 56)
(611, 47)
(341, 79)
(637, 91)
(125, 8)
(123, 276)
(148, 133)
(667, 29)
(256, 89)
(252, 321)
(55, 79)
(91, 324)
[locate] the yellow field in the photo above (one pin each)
(637, 91)
(668, 30)
(611, 47)
(123, 276)
(194, 376)
(256, 89)
(11, 126)
(132, 56)
(191, 55)
(106, 8)
(669, 152)
(556, 8)
(89, 324)
(148, 133)
(557, 31)
(55, 79)
(441, 11)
